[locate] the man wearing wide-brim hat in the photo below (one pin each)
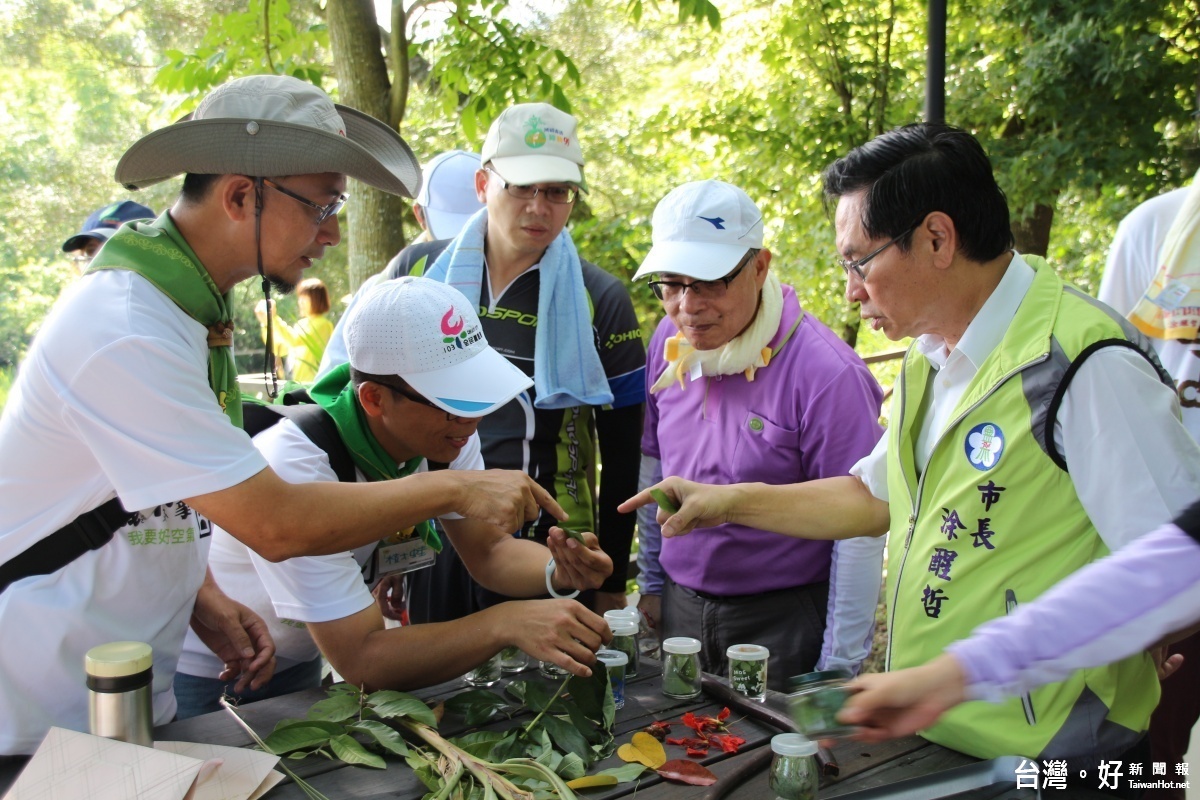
(122, 437)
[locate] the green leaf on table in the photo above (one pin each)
(296, 737)
(624, 773)
(567, 737)
(515, 744)
(571, 767)
(348, 749)
(334, 709)
(330, 727)
(479, 743)
(478, 706)
(390, 704)
(386, 737)
(535, 696)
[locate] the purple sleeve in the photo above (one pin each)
(1105, 612)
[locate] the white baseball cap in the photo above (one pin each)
(428, 334)
(702, 230)
(448, 192)
(534, 143)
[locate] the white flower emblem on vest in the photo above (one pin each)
(984, 443)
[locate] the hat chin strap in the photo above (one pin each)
(269, 345)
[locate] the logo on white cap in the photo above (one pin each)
(427, 333)
(702, 230)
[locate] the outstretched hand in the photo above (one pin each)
(699, 505)
(891, 704)
(577, 566)
(503, 497)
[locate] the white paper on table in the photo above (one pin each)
(69, 765)
(240, 776)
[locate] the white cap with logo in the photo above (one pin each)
(534, 143)
(448, 192)
(427, 333)
(702, 230)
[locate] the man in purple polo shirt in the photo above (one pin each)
(744, 385)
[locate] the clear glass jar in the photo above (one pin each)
(614, 662)
(681, 667)
(748, 670)
(486, 673)
(814, 701)
(793, 774)
(513, 660)
(548, 669)
(647, 641)
(625, 639)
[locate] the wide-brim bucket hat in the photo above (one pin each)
(271, 126)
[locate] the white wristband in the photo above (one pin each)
(550, 565)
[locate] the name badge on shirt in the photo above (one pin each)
(407, 556)
(400, 553)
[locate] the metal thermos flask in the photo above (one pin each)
(119, 675)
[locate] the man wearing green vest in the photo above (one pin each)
(121, 438)
(1031, 432)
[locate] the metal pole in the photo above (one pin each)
(935, 63)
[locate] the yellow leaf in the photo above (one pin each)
(592, 781)
(643, 749)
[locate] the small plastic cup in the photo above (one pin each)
(815, 700)
(748, 670)
(614, 662)
(486, 673)
(681, 667)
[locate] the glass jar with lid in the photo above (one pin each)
(681, 667)
(793, 774)
(814, 701)
(625, 639)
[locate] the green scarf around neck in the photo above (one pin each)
(157, 251)
(335, 393)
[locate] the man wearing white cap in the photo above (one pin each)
(122, 435)
(420, 378)
(444, 204)
(564, 322)
(746, 386)
(447, 197)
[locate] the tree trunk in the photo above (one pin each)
(375, 230)
(1032, 233)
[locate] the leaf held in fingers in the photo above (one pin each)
(664, 501)
(576, 535)
(643, 749)
(687, 772)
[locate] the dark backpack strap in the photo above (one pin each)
(316, 423)
(312, 420)
(1061, 391)
(91, 530)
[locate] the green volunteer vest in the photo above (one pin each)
(994, 522)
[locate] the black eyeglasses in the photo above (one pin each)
(857, 266)
(561, 195)
(702, 290)
(409, 394)
(323, 212)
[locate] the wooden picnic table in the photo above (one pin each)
(860, 766)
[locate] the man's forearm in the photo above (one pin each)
(829, 508)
